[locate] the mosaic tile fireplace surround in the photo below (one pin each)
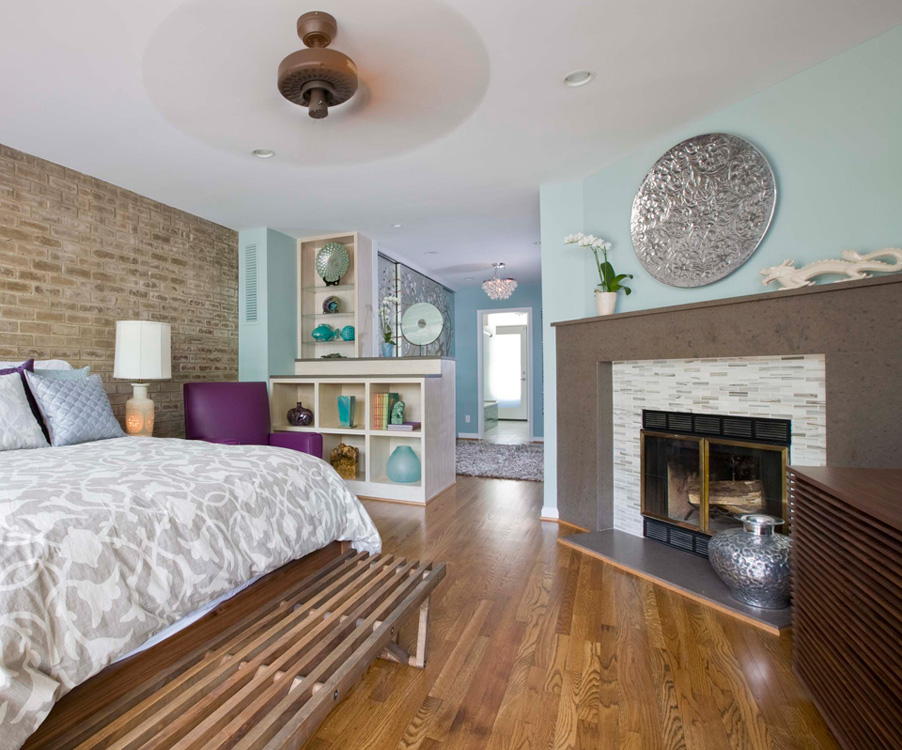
(791, 388)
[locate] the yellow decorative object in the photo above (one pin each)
(344, 460)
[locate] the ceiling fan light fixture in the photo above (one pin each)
(497, 288)
(316, 77)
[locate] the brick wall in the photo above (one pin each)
(77, 254)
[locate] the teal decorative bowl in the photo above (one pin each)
(347, 333)
(323, 332)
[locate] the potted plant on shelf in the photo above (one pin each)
(610, 282)
(387, 316)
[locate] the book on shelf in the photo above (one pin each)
(383, 403)
(406, 427)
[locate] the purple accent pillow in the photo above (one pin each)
(27, 366)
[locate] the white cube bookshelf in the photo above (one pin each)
(428, 395)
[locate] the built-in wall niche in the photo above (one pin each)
(354, 294)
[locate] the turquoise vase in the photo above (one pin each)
(388, 349)
(403, 465)
(346, 406)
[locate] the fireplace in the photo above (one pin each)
(700, 472)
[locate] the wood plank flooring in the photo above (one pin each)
(534, 646)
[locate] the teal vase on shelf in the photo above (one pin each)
(346, 406)
(388, 349)
(403, 465)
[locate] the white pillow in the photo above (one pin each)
(18, 427)
(43, 364)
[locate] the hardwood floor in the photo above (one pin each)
(509, 432)
(534, 646)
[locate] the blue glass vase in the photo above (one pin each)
(388, 349)
(403, 465)
(346, 406)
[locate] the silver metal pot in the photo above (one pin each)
(753, 561)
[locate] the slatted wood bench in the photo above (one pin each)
(271, 679)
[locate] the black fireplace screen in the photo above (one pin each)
(705, 483)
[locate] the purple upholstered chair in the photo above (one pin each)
(238, 414)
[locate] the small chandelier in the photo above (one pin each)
(498, 288)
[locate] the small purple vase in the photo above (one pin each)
(300, 416)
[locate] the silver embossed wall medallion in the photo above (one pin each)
(703, 209)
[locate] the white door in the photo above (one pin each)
(511, 363)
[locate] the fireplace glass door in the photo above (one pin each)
(672, 468)
(705, 484)
(744, 478)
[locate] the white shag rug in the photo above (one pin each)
(476, 458)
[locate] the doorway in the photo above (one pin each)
(504, 360)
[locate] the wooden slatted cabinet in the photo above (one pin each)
(847, 598)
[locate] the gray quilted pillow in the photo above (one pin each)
(75, 411)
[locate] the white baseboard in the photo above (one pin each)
(549, 513)
(534, 439)
(468, 435)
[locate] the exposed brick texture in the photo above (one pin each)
(77, 254)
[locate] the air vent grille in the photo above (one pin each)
(250, 284)
(681, 539)
(753, 429)
(679, 422)
(707, 425)
(739, 428)
(695, 542)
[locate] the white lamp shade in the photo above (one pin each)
(143, 350)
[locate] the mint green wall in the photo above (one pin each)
(466, 304)
(833, 135)
(268, 346)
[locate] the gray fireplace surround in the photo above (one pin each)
(856, 325)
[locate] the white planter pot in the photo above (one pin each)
(605, 302)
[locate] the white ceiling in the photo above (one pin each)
(462, 115)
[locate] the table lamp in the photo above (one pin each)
(143, 352)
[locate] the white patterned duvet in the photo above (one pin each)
(104, 544)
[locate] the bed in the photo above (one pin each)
(104, 545)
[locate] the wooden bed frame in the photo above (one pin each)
(334, 609)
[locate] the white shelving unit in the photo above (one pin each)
(354, 292)
(427, 389)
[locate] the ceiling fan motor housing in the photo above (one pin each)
(317, 78)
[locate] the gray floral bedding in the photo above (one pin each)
(106, 543)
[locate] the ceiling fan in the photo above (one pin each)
(317, 77)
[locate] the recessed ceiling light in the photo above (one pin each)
(432, 252)
(396, 226)
(579, 78)
(263, 153)
(468, 278)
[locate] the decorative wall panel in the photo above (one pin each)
(413, 287)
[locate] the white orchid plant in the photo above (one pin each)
(387, 315)
(609, 281)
